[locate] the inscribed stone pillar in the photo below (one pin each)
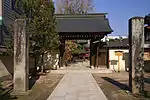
(20, 58)
(136, 43)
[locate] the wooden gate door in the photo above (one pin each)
(102, 59)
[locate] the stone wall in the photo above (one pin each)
(6, 65)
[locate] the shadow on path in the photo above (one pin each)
(33, 80)
(116, 83)
(147, 80)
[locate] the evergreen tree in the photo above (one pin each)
(41, 23)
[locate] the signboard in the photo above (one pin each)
(147, 56)
(118, 53)
(113, 62)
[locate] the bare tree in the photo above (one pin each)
(74, 6)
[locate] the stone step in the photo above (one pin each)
(78, 70)
(101, 71)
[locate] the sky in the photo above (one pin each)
(120, 11)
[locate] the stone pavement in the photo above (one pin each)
(77, 85)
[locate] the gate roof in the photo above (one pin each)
(83, 23)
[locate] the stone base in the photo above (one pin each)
(101, 71)
(64, 67)
(92, 67)
(57, 67)
(19, 93)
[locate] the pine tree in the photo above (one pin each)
(41, 23)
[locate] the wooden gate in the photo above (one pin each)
(102, 59)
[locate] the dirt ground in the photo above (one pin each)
(115, 86)
(40, 87)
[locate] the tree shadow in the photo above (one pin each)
(32, 81)
(5, 93)
(116, 83)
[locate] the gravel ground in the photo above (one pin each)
(40, 87)
(43, 87)
(115, 86)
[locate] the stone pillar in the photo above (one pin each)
(21, 71)
(62, 50)
(136, 43)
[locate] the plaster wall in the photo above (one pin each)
(113, 60)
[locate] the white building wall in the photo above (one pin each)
(113, 60)
(107, 38)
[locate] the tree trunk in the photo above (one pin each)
(42, 64)
(36, 60)
(35, 67)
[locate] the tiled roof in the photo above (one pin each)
(116, 43)
(82, 23)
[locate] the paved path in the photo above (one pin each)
(77, 85)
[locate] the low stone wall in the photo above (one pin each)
(7, 66)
